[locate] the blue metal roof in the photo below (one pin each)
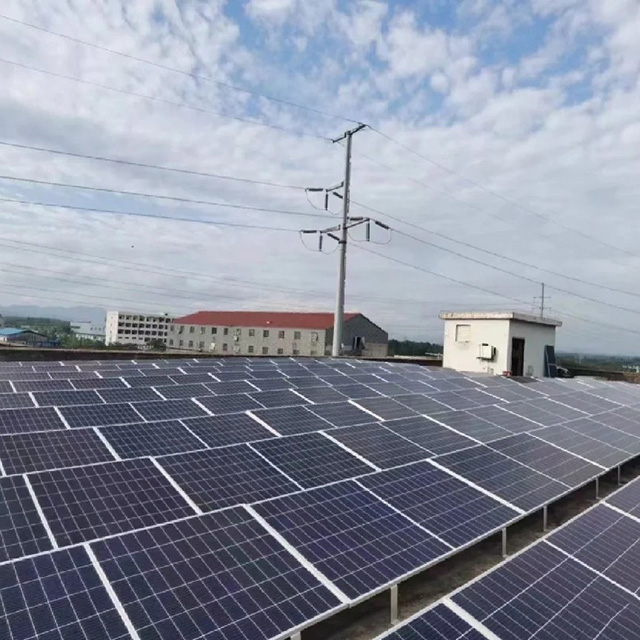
(11, 332)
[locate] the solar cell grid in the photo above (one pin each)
(271, 384)
(357, 541)
(443, 385)
(99, 414)
(472, 426)
(128, 395)
(99, 383)
(311, 459)
(183, 391)
(355, 391)
(6, 375)
(169, 409)
(431, 436)
(385, 408)
(151, 439)
(503, 476)
(387, 388)
(42, 385)
(446, 506)
(57, 596)
(459, 401)
(583, 401)
(291, 420)
(229, 579)
(544, 414)
(229, 388)
(71, 375)
(66, 398)
(501, 417)
(627, 499)
(236, 403)
(426, 405)
(191, 378)
(21, 530)
(225, 477)
(286, 398)
(616, 437)
(220, 431)
(147, 381)
(15, 400)
(24, 452)
(382, 447)
(341, 414)
(26, 420)
(547, 459)
(85, 503)
(5, 386)
(308, 382)
(322, 395)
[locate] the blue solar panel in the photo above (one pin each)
(15, 401)
(128, 395)
(219, 431)
(311, 459)
(321, 395)
(94, 415)
(169, 409)
(99, 383)
(21, 530)
(25, 420)
(426, 405)
(183, 391)
(430, 435)
(148, 381)
(220, 405)
(286, 398)
(64, 398)
(506, 478)
(151, 439)
(627, 499)
(357, 541)
(386, 408)
(227, 476)
(341, 414)
(472, 426)
(85, 503)
(43, 385)
(228, 388)
(446, 506)
(57, 596)
(292, 420)
(24, 452)
(219, 576)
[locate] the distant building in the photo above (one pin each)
(128, 327)
(500, 342)
(23, 337)
(88, 331)
(267, 333)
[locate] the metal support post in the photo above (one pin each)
(504, 542)
(393, 593)
(544, 518)
(597, 488)
(619, 476)
(338, 322)
(297, 636)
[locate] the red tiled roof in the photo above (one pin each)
(275, 319)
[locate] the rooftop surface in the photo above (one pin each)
(499, 315)
(266, 319)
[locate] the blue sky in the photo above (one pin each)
(534, 100)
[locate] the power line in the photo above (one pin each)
(215, 223)
(144, 165)
(189, 74)
(173, 103)
(506, 199)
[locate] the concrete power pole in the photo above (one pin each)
(338, 322)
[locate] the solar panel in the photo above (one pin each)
(356, 391)
(227, 388)
(24, 452)
(518, 601)
(357, 541)
(21, 530)
(322, 395)
(501, 417)
(15, 400)
(229, 404)
(504, 477)
(431, 436)
(66, 398)
(25, 420)
(341, 414)
(307, 382)
(506, 394)
(128, 395)
(99, 414)
(311, 459)
(5, 387)
(272, 384)
(169, 409)
(286, 398)
(557, 408)
(85, 503)
(535, 413)
(439, 623)
(444, 505)
(586, 402)
(385, 408)
(191, 378)
(151, 439)
(229, 580)
(548, 459)
(583, 445)
(615, 437)
(389, 389)
(57, 596)
(426, 405)
(472, 426)
(42, 385)
(225, 477)
(382, 447)
(627, 499)
(443, 385)
(183, 391)
(291, 420)
(459, 401)
(415, 386)
(99, 383)
(148, 381)
(220, 431)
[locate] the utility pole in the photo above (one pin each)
(338, 321)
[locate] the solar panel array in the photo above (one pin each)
(249, 498)
(580, 581)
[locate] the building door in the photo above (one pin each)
(517, 356)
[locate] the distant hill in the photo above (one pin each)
(88, 314)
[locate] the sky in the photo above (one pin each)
(503, 150)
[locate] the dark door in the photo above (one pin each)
(517, 356)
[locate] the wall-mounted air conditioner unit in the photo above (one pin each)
(486, 352)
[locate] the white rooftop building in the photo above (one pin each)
(500, 342)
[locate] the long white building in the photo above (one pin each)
(130, 327)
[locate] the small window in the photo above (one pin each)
(252, 333)
(180, 329)
(265, 351)
(280, 335)
(170, 343)
(265, 333)
(201, 345)
(192, 329)
(314, 353)
(190, 343)
(181, 343)
(280, 351)
(225, 331)
(172, 328)
(314, 336)
(202, 330)
(296, 352)
(238, 332)
(214, 331)
(297, 335)
(463, 332)
(250, 349)
(225, 346)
